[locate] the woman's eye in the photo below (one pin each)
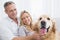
(27, 16)
(48, 18)
(23, 18)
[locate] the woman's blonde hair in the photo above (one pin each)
(21, 23)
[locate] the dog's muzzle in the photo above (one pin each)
(43, 25)
(43, 29)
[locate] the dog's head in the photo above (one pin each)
(45, 24)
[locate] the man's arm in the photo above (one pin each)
(32, 37)
(23, 38)
(5, 33)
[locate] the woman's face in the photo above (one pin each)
(26, 19)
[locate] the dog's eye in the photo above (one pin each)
(40, 18)
(48, 18)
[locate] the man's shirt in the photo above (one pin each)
(8, 29)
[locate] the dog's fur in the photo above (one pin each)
(51, 34)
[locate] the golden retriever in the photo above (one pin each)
(45, 26)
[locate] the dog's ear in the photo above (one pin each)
(54, 26)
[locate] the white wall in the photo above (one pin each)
(56, 8)
(36, 8)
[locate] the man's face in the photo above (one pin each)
(11, 11)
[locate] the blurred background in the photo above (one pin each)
(36, 8)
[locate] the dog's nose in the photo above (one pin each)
(43, 24)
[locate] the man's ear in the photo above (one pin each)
(5, 11)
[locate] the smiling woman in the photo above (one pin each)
(26, 24)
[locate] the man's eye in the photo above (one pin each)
(14, 9)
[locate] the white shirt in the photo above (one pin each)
(24, 32)
(8, 29)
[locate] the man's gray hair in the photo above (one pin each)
(8, 3)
